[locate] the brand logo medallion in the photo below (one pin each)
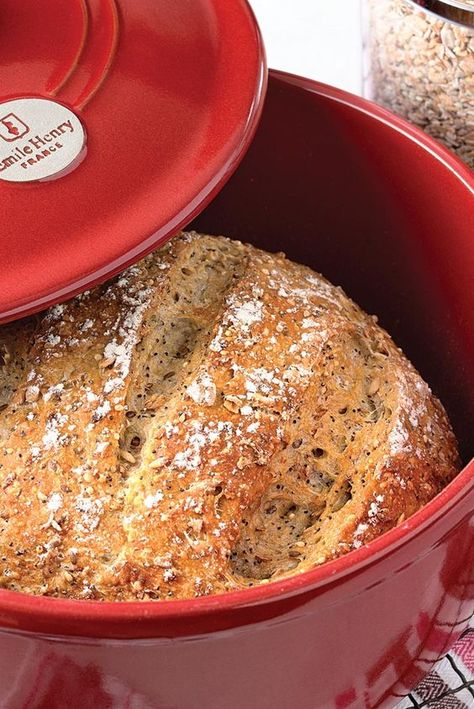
(39, 139)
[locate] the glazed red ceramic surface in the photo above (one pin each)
(119, 120)
(387, 213)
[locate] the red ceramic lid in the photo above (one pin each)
(119, 121)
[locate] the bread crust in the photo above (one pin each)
(214, 418)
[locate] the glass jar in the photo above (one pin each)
(419, 63)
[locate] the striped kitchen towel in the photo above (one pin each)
(450, 685)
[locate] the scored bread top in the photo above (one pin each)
(214, 418)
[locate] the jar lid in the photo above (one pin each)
(119, 121)
(460, 12)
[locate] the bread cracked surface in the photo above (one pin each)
(214, 418)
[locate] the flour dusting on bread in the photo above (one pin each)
(214, 418)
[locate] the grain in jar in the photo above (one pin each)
(420, 64)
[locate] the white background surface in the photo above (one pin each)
(320, 39)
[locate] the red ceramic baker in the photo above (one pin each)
(381, 209)
(119, 120)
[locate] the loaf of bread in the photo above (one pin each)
(214, 418)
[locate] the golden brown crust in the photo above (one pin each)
(214, 418)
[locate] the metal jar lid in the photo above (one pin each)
(458, 11)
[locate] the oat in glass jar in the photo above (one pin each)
(420, 64)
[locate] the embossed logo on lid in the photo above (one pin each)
(39, 139)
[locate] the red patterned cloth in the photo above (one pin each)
(450, 685)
